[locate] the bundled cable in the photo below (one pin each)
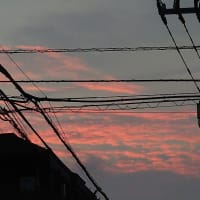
(35, 101)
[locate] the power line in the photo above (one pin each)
(15, 122)
(115, 108)
(183, 60)
(17, 65)
(36, 103)
(181, 18)
(118, 106)
(160, 5)
(111, 99)
(22, 116)
(102, 81)
(30, 81)
(192, 41)
(96, 49)
(111, 111)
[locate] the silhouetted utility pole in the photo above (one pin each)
(178, 10)
(198, 113)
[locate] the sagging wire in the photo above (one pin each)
(35, 101)
(12, 119)
(113, 100)
(19, 68)
(58, 123)
(30, 126)
(16, 64)
(17, 126)
(101, 108)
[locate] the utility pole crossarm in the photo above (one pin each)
(177, 9)
(171, 11)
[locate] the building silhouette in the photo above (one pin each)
(28, 171)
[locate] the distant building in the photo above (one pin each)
(28, 171)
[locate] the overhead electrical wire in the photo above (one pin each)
(21, 99)
(183, 60)
(58, 123)
(29, 80)
(36, 102)
(192, 41)
(16, 124)
(16, 110)
(181, 18)
(174, 41)
(12, 117)
(32, 128)
(127, 105)
(5, 116)
(69, 148)
(16, 64)
(20, 69)
(111, 99)
(94, 111)
(121, 107)
(96, 49)
(117, 106)
(49, 121)
(108, 102)
(102, 81)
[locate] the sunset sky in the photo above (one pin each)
(146, 154)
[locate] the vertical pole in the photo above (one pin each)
(198, 113)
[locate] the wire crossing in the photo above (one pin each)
(181, 18)
(160, 7)
(36, 101)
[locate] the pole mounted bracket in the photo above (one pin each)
(162, 10)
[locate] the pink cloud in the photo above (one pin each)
(71, 62)
(126, 142)
(29, 47)
(35, 88)
(59, 65)
(126, 148)
(114, 88)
